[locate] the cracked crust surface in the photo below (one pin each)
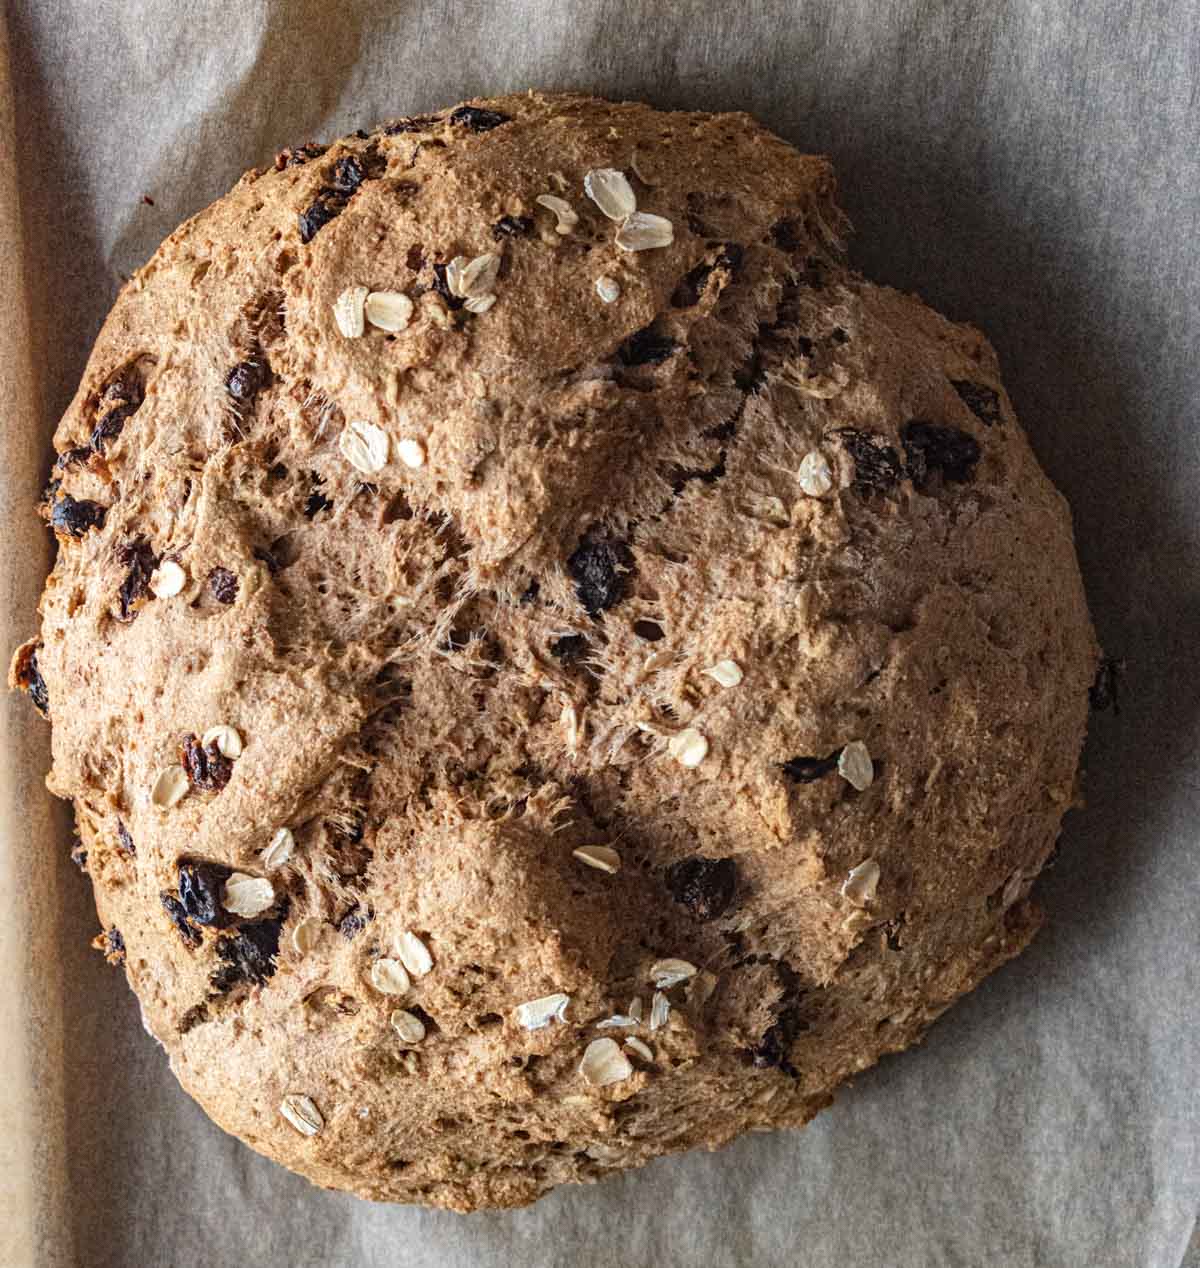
(448, 678)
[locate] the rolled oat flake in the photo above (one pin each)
(537, 1013)
(247, 895)
(604, 1063)
(408, 1026)
(279, 850)
(302, 1113)
(364, 446)
(170, 787)
(855, 765)
(389, 977)
(611, 191)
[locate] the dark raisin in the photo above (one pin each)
(324, 207)
(596, 567)
(264, 556)
(443, 288)
(803, 770)
(140, 559)
(931, 451)
(348, 175)
(208, 769)
(350, 828)
(79, 857)
(223, 585)
(646, 347)
(125, 839)
(414, 123)
(772, 1049)
(704, 886)
(76, 517)
(179, 918)
(246, 380)
(691, 286)
(200, 892)
(569, 648)
(27, 677)
(838, 335)
(317, 502)
(730, 259)
(893, 932)
(531, 591)
(111, 425)
(981, 400)
(354, 921)
(72, 457)
(296, 156)
(876, 463)
(512, 227)
(788, 235)
(651, 631)
(112, 944)
(477, 119)
(1102, 694)
(249, 954)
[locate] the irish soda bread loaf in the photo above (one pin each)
(552, 667)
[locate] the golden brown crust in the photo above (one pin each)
(447, 678)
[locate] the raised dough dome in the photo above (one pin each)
(673, 574)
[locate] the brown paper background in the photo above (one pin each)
(1029, 165)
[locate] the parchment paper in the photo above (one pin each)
(1031, 167)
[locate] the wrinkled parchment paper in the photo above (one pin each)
(1028, 166)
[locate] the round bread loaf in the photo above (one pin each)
(552, 667)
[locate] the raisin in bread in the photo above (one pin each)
(552, 667)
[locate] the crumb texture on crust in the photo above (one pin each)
(547, 679)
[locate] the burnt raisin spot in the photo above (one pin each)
(208, 769)
(931, 450)
(804, 770)
(141, 562)
(223, 585)
(443, 288)
(704, 886)
(981, 400)
(246, 380)
(348, 175)
(876, 463)
(125, 840)
(646, 347)
(476, 119)
(27, 677)
(569, 649)
(179, 918)
(1105, 690)
(597, 568)
(76, 518)
(512, 227)
(249, 955)
(200, 887)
